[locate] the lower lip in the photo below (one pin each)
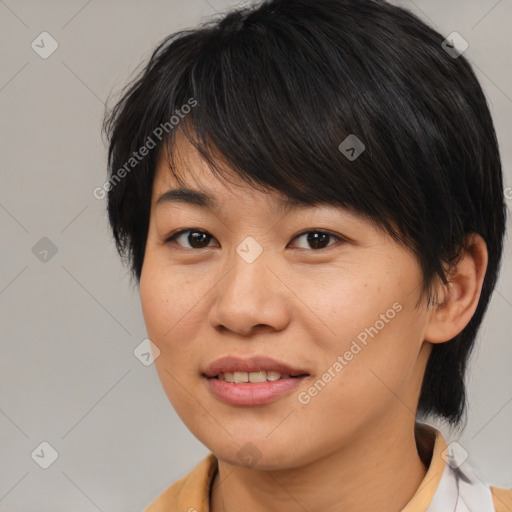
(252, 393)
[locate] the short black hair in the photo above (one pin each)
(272, 90)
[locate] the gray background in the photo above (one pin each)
(69, 325)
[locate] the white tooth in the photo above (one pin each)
(272, 375)
(241, 376)
(258, 376)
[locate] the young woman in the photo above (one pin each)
(309, 195)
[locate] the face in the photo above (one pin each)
(318, 289)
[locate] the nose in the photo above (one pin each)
(250, 297)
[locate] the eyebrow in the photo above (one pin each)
(208, 201)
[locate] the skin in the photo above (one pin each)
(304, 306)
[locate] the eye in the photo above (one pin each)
(198, 239)
(317, 239)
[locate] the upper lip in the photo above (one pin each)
(250, 364)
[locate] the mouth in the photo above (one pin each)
(257, 368)
(239, 377)
(255, 380)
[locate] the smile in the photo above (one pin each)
(260, 376)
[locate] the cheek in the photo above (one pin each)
(336, 299)
(381, 372)
(171, 302)
(347, 305)
(375, 335)
(154, 297)
(171, 324)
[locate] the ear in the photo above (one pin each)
(459, 298)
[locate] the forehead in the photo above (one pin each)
(198, 185)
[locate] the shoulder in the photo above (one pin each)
(502, 499)
(190, 493)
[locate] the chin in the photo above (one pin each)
(260, 454)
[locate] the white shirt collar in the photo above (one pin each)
(460, 490)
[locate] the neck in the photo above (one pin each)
(380, 471)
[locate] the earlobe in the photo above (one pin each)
(459, 298)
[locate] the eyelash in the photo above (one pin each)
(172, 238)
